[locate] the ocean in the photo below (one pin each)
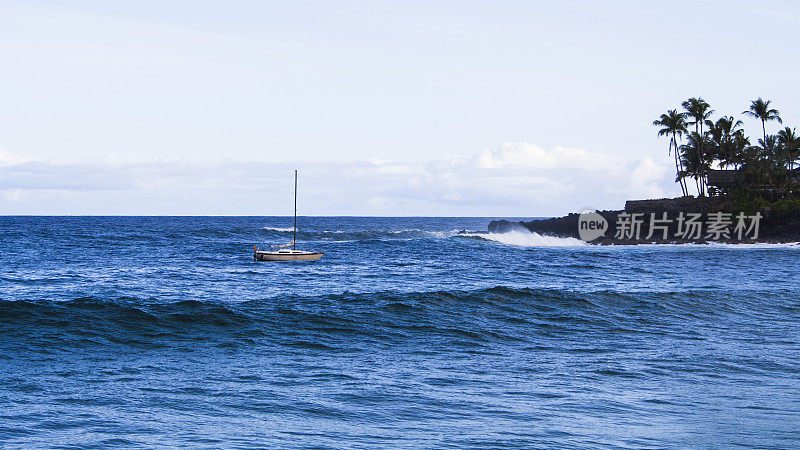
(163, 332)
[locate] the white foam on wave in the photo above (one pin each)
(734, 246)
(442, 234)
(376, 232)
(284, 230)
(699, 247)
(439, 234)
(528, 239)
(413, 232)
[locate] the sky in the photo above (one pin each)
(456, 108)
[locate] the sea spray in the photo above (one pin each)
(528, 239)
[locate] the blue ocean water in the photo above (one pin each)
(162, 331)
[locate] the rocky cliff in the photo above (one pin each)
(681, 220)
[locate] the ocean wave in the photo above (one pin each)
(527, 239)
(471, 318)
(521, 238)
(356, 235)
(706, 246)
(279, 229)
(746, 245)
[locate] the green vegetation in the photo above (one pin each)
(766, 168)
(750, 202)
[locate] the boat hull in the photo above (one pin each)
(287, 256)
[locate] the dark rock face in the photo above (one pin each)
(773, 227)
(566, 226)
(674, 206)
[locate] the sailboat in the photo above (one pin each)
(284, 253)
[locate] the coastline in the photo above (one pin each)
(774, 226)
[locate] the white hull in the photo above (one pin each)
(287, 255)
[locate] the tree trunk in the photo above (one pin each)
(702, 192)
(700, 167)
(704, 182)
(677, 170)
(678, 167)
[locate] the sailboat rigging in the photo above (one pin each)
(287, 254)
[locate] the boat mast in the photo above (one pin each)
(294, 238)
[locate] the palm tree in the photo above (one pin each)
(771, 152)
(699, 110)
(755, 170)
(750, 158)
(673, 124)
(760, 110)
(695, 161)
(739, 146)
(726, 140)
(790, 143)
(690, 164)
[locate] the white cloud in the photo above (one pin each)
(530, 156)
(517, 179)
(7, 159)
(646, 177)
(12, 195)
